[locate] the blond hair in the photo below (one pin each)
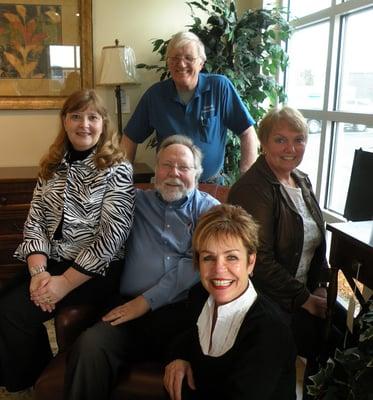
(222, 221)
(181, 39)
(277, 116)
(108, 150)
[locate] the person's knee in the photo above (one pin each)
(99, 348)
(95, 341)
(90, 340)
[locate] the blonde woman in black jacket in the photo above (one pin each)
(239, 346)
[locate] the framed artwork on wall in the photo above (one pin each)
(45, 52)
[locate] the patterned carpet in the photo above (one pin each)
(28, 394)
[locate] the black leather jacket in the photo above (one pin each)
(281, 233)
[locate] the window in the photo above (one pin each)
(63, 60)
(300, 8)
(306, 84)
(330, 79)
(356, 67)
(306, 74)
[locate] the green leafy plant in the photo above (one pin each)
(349, 376)
(247, 50)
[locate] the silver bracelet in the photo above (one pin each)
(37, 269)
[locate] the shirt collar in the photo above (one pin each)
(240, 305)
(77, 155)
(89, 161)
(228, 322)
(203, 85)
(265, 169)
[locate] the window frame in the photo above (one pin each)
(328, 115)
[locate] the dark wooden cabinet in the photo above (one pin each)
(16, 188)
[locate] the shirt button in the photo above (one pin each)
(167, 257)
(167, 226)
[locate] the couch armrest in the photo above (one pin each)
(70, 321)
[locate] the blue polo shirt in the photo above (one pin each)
(214, 108)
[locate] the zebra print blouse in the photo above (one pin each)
(97, 208)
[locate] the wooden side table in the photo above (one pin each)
(351, 251)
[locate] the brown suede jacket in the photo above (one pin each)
(260, 193)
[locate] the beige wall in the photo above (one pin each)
(26, 135)
(136, 26)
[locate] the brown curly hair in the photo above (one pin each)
(108, 150)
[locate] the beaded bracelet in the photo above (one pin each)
(37, 269)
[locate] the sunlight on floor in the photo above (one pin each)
(300, 363)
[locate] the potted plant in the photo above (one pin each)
(247, 50)
(349, 375)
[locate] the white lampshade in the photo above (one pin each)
(118, 66)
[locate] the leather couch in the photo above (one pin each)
(141, 381)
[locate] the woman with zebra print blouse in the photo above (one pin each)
(80, 217)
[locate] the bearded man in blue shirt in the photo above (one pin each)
(198, 105)
(157, 275)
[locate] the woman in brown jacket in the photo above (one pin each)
(291, 255)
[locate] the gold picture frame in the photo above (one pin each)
(40, 90)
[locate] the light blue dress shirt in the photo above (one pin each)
(158, 262)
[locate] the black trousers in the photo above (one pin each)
(102, 350)
(24, 344)
(309, 335)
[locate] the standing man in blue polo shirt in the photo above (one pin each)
(198, 105)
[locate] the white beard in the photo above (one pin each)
(172, 193)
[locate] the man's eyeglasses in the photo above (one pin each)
(181, 168)
(187, 60)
